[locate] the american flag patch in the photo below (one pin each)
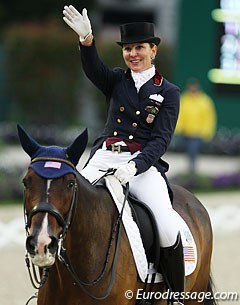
(188, 252)
(52, 164)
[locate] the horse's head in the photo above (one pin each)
(50, 194)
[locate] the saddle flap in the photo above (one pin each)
(146, 223)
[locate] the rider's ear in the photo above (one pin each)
(28, 143)
(76, 149)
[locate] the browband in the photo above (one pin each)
(53, 159)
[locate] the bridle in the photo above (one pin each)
(65, 224)
(47, 207)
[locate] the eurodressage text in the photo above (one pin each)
(197, 296)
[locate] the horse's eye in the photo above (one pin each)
(71, 184)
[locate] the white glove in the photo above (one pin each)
(125, 172)
(80, 23)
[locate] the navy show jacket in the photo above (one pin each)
(135, 116)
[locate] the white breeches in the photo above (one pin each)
(149, 187)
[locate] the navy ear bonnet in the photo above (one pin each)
(53, 167)
(52, 161)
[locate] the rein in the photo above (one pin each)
(62, 255)
(62, 252)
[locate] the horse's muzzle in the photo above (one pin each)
(42, 253)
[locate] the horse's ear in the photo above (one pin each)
(28, 143)
(76, 149)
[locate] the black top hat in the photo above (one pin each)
(137, 32)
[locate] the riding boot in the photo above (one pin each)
(172, 268)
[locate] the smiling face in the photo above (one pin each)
(138, 56)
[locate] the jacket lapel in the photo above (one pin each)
(153, 86)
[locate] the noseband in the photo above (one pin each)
(46, 207)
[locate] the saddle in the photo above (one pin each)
(141, 229)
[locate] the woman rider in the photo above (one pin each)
(142, 114)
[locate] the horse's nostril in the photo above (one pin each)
(31, 245)
(53, 246)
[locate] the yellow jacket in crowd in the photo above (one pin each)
(197, 117)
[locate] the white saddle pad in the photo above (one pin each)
(131, 228)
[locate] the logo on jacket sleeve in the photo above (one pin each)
(152, 112)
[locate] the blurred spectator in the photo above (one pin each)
(197, 121)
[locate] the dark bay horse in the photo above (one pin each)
(65, 212)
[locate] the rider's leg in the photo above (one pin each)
(151, 188)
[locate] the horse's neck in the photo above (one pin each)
(92, 227)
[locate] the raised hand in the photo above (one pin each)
(80, 23)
